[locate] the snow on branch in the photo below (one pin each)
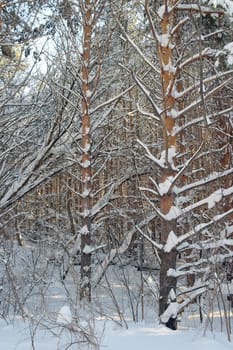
(171, 243)
(170, 312)
(135, 46)
(197, 84)
(111, 100)
(154, 243)
(220, 243)
(150, 190)
(179, 24)
(149, 155)
(197, 102)
(206, 180)
(187, 164)
(177, 129)
(158, 188)
(120, 250)
(210, 119)
(203, 226)
(192, 296)
(153, 29)
(197, 8)
(207, 52)
(103, 201)
(89, 249)
(157, 110)
(211, 200)
(24, 177)
(175, 308)
(161, 188)
(190, 269)
(147, 114)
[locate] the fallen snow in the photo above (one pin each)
(137, 337)
(64, 316)
(150, 337)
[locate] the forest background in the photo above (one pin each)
(116, 156)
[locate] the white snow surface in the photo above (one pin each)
(64, 326)
(136, 337)
(64, 316)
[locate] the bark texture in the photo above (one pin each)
(86, 171)
(168, 258)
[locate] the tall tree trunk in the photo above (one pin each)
(86, 171)
(167, 256)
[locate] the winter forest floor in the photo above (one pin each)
(40, 310)
(136, 337)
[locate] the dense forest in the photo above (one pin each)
(116, 160)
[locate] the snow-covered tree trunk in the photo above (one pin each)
(86, 172)
(168, 226)
(182, 110)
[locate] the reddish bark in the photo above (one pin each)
(86, 171)
(168, 259)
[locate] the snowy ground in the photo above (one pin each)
(136, 337)
(40, 311)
